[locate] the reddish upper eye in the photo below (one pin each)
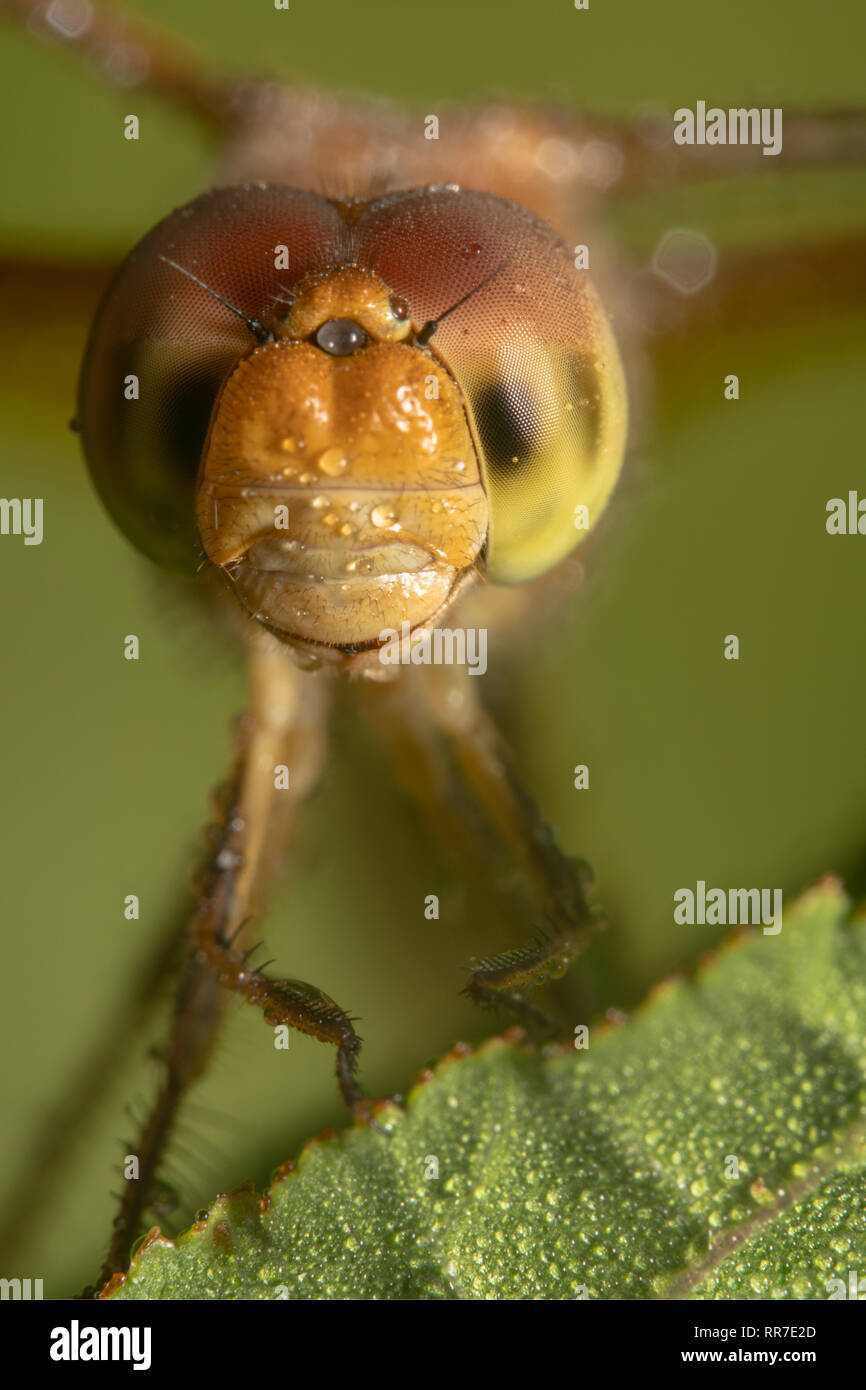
(143, 439)
(530, 349)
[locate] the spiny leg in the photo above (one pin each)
(283, 731)
(422, 765)
(562, 882)
(219, 931)
(454, 705)
(627, 156)
(751, 289)
(129, 52)
(448, 698)
(549, 160)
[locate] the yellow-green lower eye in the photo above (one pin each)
(504, 422)
(551, 435)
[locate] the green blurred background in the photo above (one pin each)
(748, 773)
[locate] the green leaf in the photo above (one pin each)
(711, 1147)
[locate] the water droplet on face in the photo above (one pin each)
(320, 502)
(287, 445)
(383, 516)
(351, 566)
(460, 466)
(346, 529)
(331, 519)
(333, 462)
(307, 478)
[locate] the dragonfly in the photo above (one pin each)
(378, 383)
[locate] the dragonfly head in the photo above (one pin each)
(352, 409)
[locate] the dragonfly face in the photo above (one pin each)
(434, 391)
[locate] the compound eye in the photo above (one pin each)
(532, 351)
(340, 337)
(162, 346)
(550, 427)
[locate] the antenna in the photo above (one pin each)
(425, 333)
(256, 328)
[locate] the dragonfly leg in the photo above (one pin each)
(424, 767)
(561, 883)
(217, 938)
(281, 748)
(131, 53)
(749, 290)
(651, 160)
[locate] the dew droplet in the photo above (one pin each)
(383, 516)
(320, 502)
(333, 462)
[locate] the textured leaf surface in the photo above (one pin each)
(711, 1147)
